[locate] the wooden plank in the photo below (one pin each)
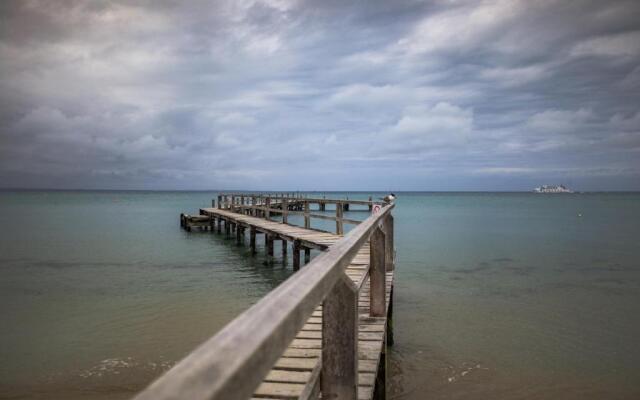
(284, 376)
(295, 364)
(279, 390)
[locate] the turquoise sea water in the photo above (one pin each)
(498, 295)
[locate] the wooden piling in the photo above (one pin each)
(269, 245)
(252, 239)
(296, 255)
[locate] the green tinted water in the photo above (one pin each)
(497, 295)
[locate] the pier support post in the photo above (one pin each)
(252, 240)
(269, 245)
(377, 273)
(307, 255)
(370, 204)
(379, 390)
(284, 251)
(227, 228)
(239, 234)
(219, 228)
(296, 255)
(389, 336)
(340, 342)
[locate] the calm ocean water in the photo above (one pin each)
(504, 296)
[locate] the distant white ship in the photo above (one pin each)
(552, 189)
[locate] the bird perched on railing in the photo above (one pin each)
(389, 198)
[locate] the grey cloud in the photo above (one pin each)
(279, 94)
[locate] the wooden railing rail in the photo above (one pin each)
(265, 206)
(231, 364)
(289, 212)
(243, 198)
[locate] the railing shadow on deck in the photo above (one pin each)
(231, 364)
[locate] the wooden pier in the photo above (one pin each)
(322, 333)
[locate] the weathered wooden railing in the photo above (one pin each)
(231, 364)
(262, 205)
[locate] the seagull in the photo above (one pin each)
(389, 198)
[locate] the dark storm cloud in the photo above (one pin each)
(318, 95)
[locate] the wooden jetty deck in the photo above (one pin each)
(323, 333)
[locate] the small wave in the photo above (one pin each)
(116, 366)
(464, 370)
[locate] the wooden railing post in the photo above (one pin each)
(307, 219)
(370, 204)
(377, 273)
(219, 201)
(267, 204)
(388, 243)
(339, 225)
(233, 203)
(339, 379)
(285, 209)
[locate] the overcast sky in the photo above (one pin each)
(303, 95)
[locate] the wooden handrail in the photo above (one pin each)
(289, 212)
(231, 364)
(307, 199)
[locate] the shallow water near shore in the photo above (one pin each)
(498, 295)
